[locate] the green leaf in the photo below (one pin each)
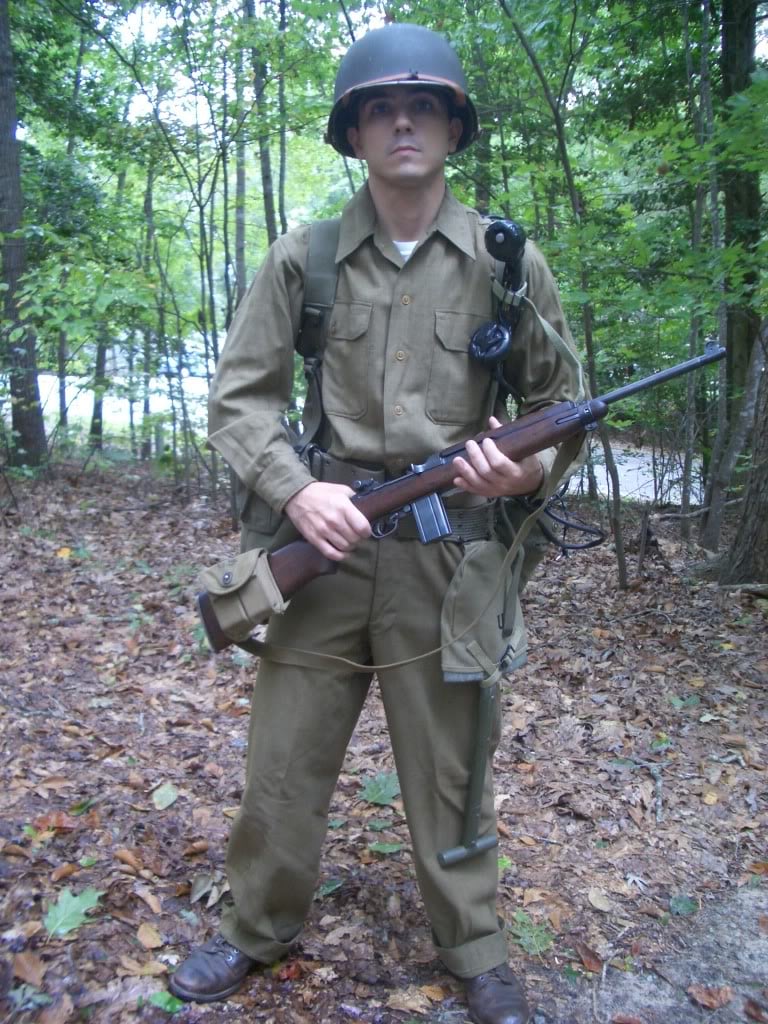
(385, 848)
(87, 862)
(166, 1002)
(378, 824)
(682, 905)
(328, 887)
(165, 795)
(82, 807)
(504, 864)
(382, 789)
(684, 702)
(534, 938)
(70, 911)
(337, 822)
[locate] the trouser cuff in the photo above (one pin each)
(475, 957)
(261, 950)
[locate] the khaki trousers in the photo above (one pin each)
(383, 605)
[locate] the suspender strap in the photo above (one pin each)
(320, 279)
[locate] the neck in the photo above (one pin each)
(406, 214)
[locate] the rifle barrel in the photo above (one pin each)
(709, 356)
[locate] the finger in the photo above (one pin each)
(493, 423)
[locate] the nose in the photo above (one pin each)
(403, 122)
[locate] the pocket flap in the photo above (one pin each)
(455, 330)
(229, 576)
(349, 320)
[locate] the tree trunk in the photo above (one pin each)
(241, 270)
(18, 343)
(741, 191)
(265, 160)
(740, 429)
(100, 385)
(747, 560)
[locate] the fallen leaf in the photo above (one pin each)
(149, 936)
(625, 1018)
(712, 998)
(151, 969)
(290, 971)
(756, 1011)
(59, 1012)
(411, 1000)
(165, 795)
(64, 871)
(589, 957)
(30, 968)
(199, 846)
(149, 898)
(435, 993)
(600, 901)
(58, 820)
(710, 797)
(129, 858)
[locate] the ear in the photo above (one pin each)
(455, 129)
(353, 138)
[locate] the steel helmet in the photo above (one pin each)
(399, 54)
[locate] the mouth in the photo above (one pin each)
(405, 147)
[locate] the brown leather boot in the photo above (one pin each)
(497, 997)
(214, 971)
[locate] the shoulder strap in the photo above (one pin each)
(320, 279)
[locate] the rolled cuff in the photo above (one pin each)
(476, 957)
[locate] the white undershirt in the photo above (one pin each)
(405, 248)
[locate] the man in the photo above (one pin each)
(397, 384)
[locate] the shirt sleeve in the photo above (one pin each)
(252, 386)
(541, 376)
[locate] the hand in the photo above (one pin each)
(489, 473)
(324, 515)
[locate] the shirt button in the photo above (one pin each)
(406, 300)
(400, 355)
(398, 410)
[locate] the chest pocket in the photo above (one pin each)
(459, 389)
(347, 360)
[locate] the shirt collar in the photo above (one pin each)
(358, 222)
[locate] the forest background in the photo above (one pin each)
(151, 152)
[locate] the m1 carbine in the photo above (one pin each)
(418, 492)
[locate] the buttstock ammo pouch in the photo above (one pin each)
(236, 595)
(481, 621)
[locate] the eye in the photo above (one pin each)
(425, 105)
(377, 108)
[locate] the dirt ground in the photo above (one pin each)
(631, 779)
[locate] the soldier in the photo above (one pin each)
(397, 384)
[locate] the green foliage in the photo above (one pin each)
(383, 788)
(69, 911)
(385, 848)
(166, 1001)
(533, 938)
(682, 905)
(131, 122)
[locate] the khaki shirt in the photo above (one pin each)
(398, 383)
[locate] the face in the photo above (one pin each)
(404, 134)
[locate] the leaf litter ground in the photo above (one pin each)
(631, 789)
